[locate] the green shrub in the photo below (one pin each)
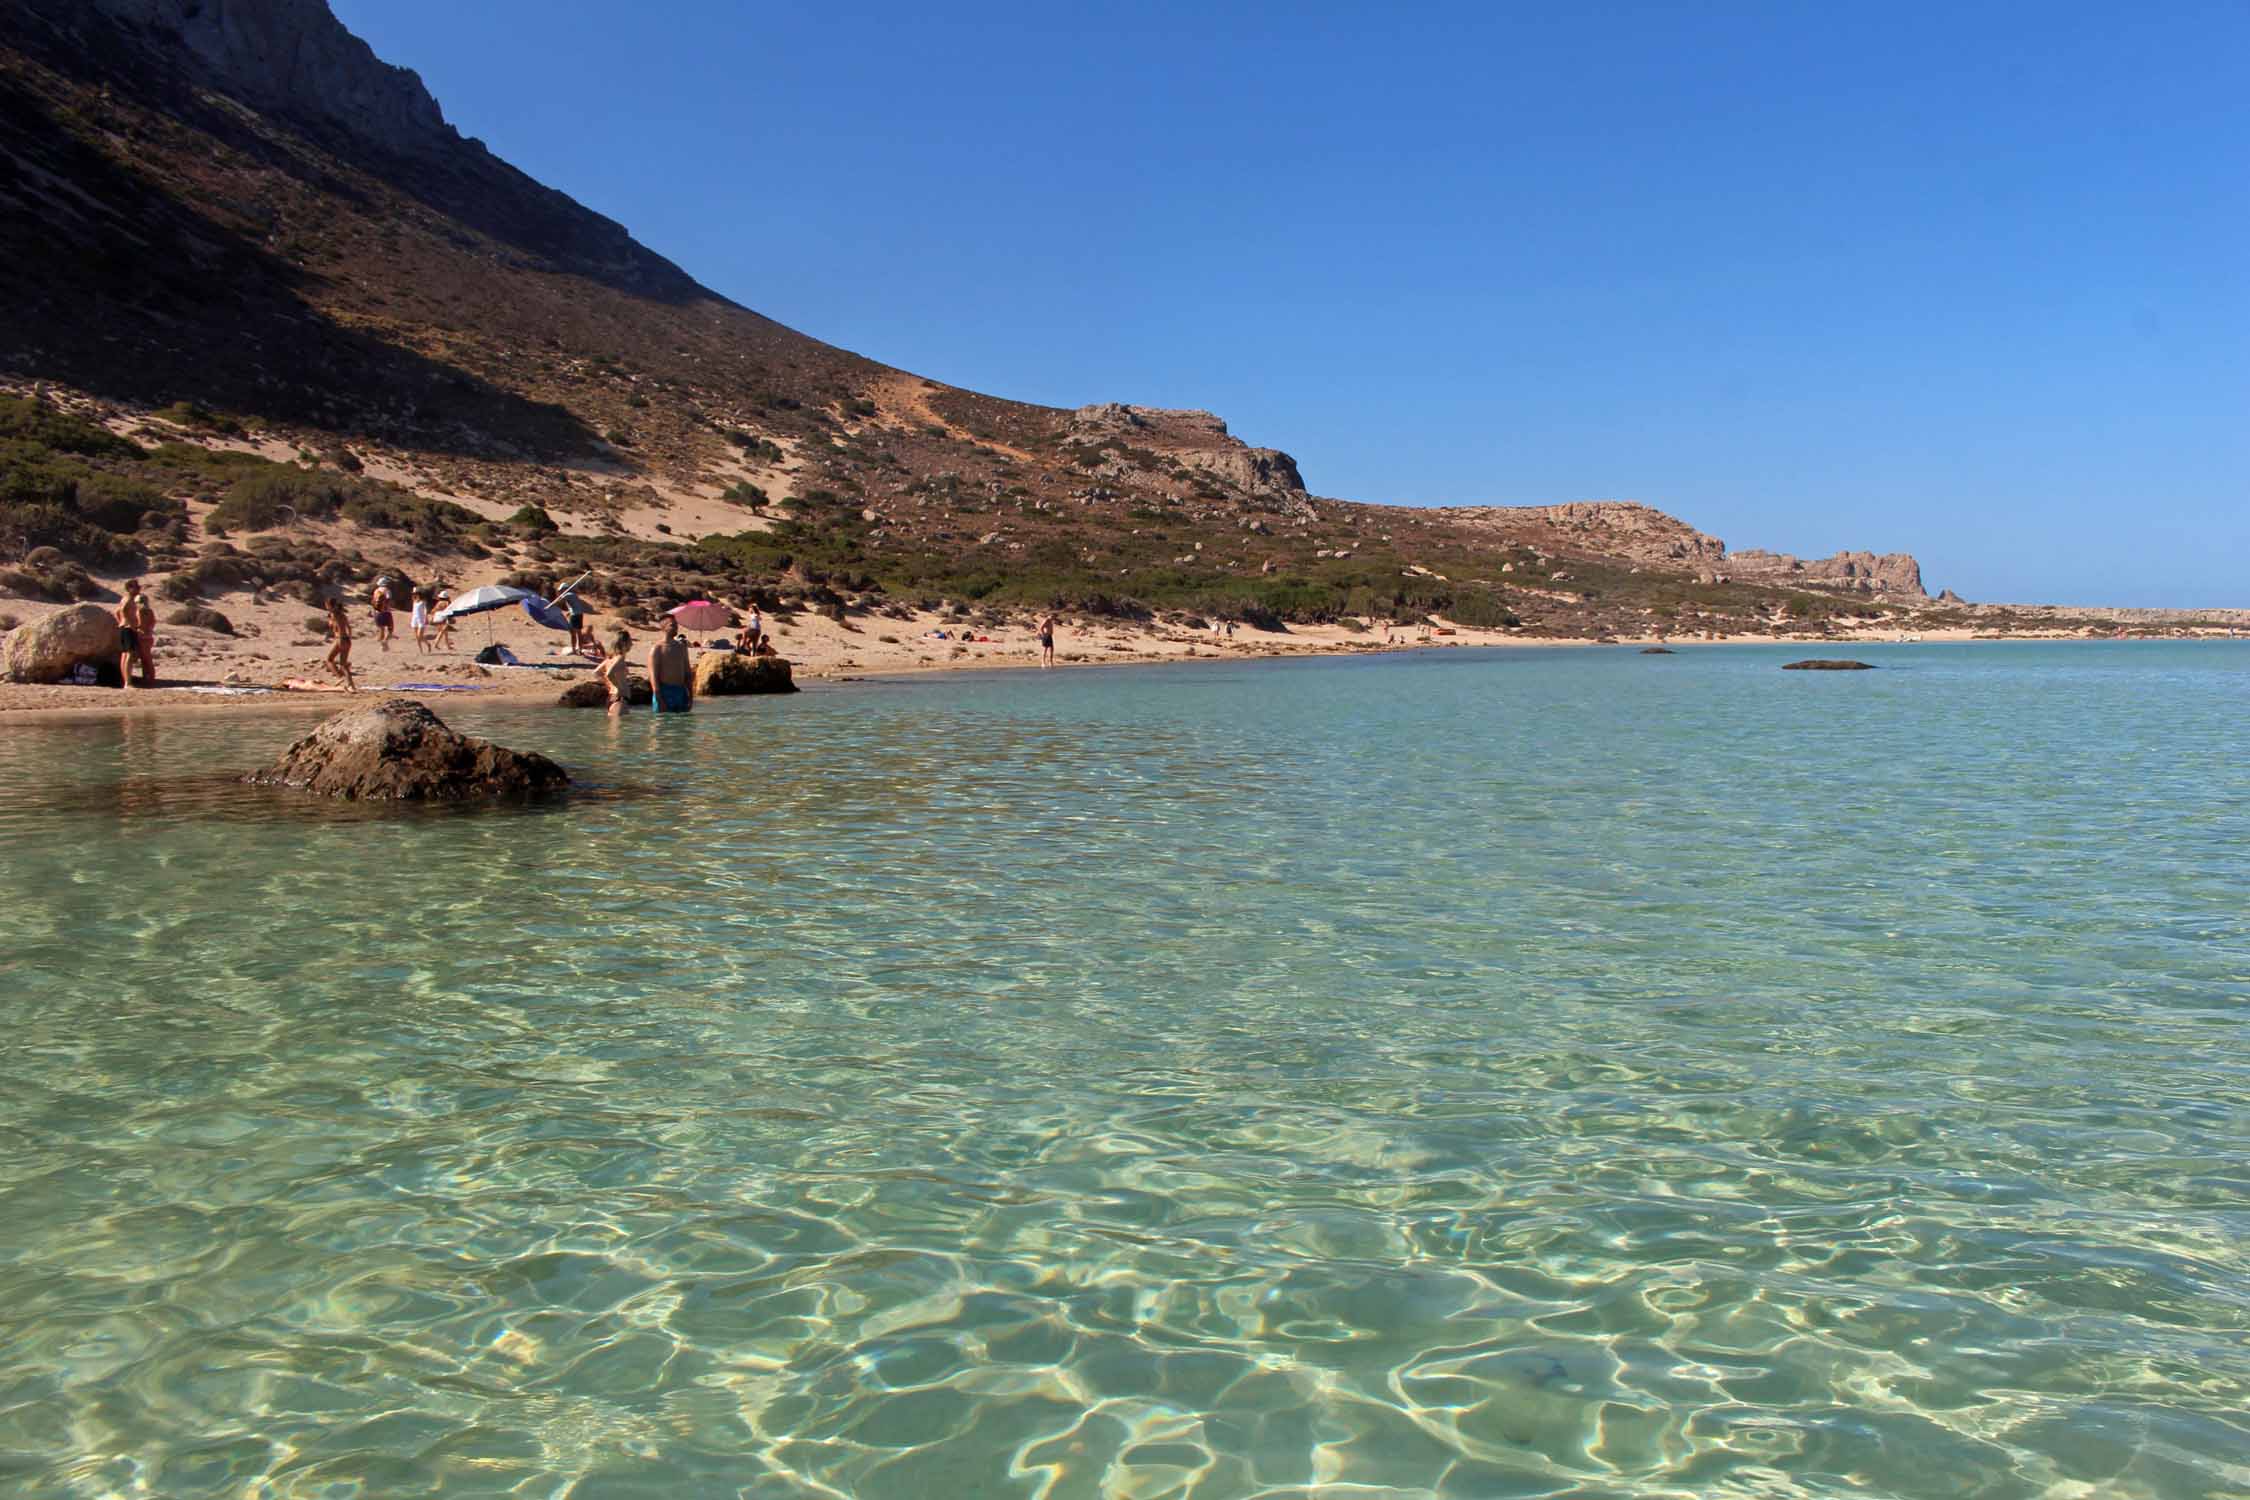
(189, 414)
(533, 518)
(25, 420)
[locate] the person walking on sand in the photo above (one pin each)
(616, 673)
(670, 672)
(443, 638)
(420, 620)
(132, 645)
(1047, 624)
(339, 658)
(381, 603)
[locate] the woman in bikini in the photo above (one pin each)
(616, 673)
(340, 654)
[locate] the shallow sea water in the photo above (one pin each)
(1462, 1074)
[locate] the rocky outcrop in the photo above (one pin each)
(727, 674)
(593, 693)
(50, 649)
(1862, 572)
(398, 751)
(1827, 665)
(1199, 440)
(296, 58)
(1615, 528)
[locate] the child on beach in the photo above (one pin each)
(339, 658)
(420, 620)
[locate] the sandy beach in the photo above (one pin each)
(205, 671)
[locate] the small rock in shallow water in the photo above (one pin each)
(398, 751)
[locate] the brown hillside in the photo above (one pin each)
(242, 209)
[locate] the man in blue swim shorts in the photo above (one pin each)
(670, 672)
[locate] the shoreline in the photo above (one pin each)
(819, 659)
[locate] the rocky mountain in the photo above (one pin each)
(231, 228)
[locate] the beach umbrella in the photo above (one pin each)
(491, 596)
(702, 614)
(543, 613)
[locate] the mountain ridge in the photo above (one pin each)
(267, 218)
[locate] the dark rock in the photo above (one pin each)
(1828, 665)
(593, 693)
(201, 618)
(399, 751)
(1658, 651)
(724, 674)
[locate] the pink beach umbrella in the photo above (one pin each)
(702, 614)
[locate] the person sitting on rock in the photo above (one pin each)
(671, 672)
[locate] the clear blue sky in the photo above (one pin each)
(1966, 280)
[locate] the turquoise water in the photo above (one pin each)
(1464, 1074)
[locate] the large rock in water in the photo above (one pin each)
(1827, 664)
(47, 650)
(594, 693)
(399, 751)
(722, 674)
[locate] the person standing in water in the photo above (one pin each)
(616, 673)
(340, 654)
(1047, 624)
(670, 672)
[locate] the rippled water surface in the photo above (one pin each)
(1572, 1074)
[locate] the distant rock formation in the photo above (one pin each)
(1827, 664)
(295, 58)
(1199, 440)
(398, 751)
(1862, 572)
(1648, 536)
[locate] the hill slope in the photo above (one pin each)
(460, 372)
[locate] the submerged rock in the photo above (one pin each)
(1828, 665)
(50, 649)
(1658, 651)
(399, 751)
(724, 674)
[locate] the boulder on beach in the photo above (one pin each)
(398, 751)
(594, 693)
(50, 649)
(725, 674)
(1822, 664)
(202, 618)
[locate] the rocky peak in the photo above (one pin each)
(287, 57)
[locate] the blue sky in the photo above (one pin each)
(1966, 280)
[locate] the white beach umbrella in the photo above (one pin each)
(491, 596)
